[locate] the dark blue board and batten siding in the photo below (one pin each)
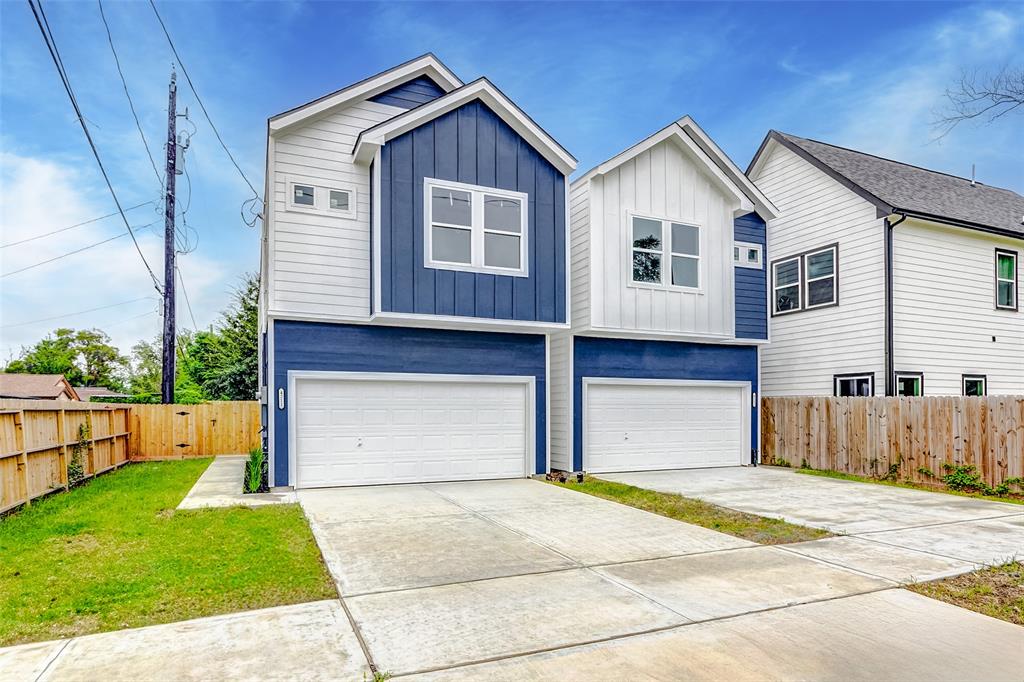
(410, 94)
(637, 359)
(473, 145)
(751, 284)
(319, 346)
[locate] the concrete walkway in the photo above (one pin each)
(899, 534)
(221, 486)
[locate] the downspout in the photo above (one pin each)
(890, 369)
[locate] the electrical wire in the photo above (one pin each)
(51, 46)
(78, 312)
(70, 227)
(72, 253)
(181, 280)
(199, 100)
(131, 104)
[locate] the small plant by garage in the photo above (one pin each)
(256, 472)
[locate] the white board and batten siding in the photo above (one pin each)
(320, 263)
(944, 309)
(808, 347)
(661, 182)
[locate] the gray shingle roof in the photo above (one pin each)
(899, 186)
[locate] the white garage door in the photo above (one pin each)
(645, 426)
(361, 432)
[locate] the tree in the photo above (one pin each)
(85, 358)
(982, 95)
(147, 369)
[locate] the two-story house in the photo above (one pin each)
(414, 263)
(886, 278)
(660, 367)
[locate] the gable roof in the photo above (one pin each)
(692, 137)
(85, 393)
(372, 139)
(427, 65)
(29, 386)
(895, 187)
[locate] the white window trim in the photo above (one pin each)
(743, 262)
(973, 377)
(834, 276)
(321, 198)
(666, 254)
(798, 284)
(853, 377)
(476, 228)
(1012, 280)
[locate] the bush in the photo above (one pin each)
(256, 472)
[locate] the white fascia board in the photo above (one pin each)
(763, 205)
(765, 151)
(374, 138)
(427, 65)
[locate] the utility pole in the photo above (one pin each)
(167, 373)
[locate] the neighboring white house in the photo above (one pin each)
(886, 278)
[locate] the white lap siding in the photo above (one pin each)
(807, 348)
(944, 309)
(560, 381)
(320, 264)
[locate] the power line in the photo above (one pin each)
(70, 227)
(199, 101)
(77, 312)
(51, 46)
(131, 104)
(72, 253)
(181, 280)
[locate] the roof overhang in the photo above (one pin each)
(372, 139)
(692, 139)
(426, 65)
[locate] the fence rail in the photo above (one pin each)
(39, 439)
(869, 436)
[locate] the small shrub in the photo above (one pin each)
(779, 462)
(75, 464)
(256, 472)
(925, 471)
(804, 464)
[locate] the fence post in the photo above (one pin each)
(19, 445)
(90, 453)
(62, 437)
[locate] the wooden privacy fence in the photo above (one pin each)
(868, 436)
(179, 431)
(38, 443)
(40, 439)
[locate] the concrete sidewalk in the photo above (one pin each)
(221, 486)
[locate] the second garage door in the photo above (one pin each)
(646, 426)
(362, 432)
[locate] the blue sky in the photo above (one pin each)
(598, 77)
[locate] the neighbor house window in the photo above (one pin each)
(975, 385)
(479, 229)
(303, 195)
(308, 197)
(909, 383)
(1006, 279)
(747, 255)
(854, 385)
(338, 200)
(665, 253)
(806, 281)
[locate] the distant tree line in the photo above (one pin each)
(221, 363)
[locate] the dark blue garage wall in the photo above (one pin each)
(751, 292)
(636, 359)
(363, 348)
(473, 145)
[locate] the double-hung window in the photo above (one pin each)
(665, 253)
(1006, 279)
(473, 228)
(806, 281)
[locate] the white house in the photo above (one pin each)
(886, 278)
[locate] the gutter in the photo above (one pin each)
(890, 369)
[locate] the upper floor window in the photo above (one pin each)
(665, 253)
(473, 228)
(849, 385)
(974, 384)
(307, 197)
(806, 281)
(747, 255)
(1006, 279)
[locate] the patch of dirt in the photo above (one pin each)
(996, 592)
(82, 542)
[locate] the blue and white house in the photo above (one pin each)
(414, 261)
(660, 367)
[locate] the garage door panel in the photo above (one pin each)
(359, 432)
(638, 426)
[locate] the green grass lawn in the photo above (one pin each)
(113, 554)
(1012, 498)
(996, 591)
(740, 524)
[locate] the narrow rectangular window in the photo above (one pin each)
(909, 384)
(502, 232)
(975, 384)
(1006, 279)
(786, 285)
(339, 200)
(747, 255)
(820, 267)
(647, 250)
(854, 385)
(451, 226)
(685, 256)
(303, 195)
